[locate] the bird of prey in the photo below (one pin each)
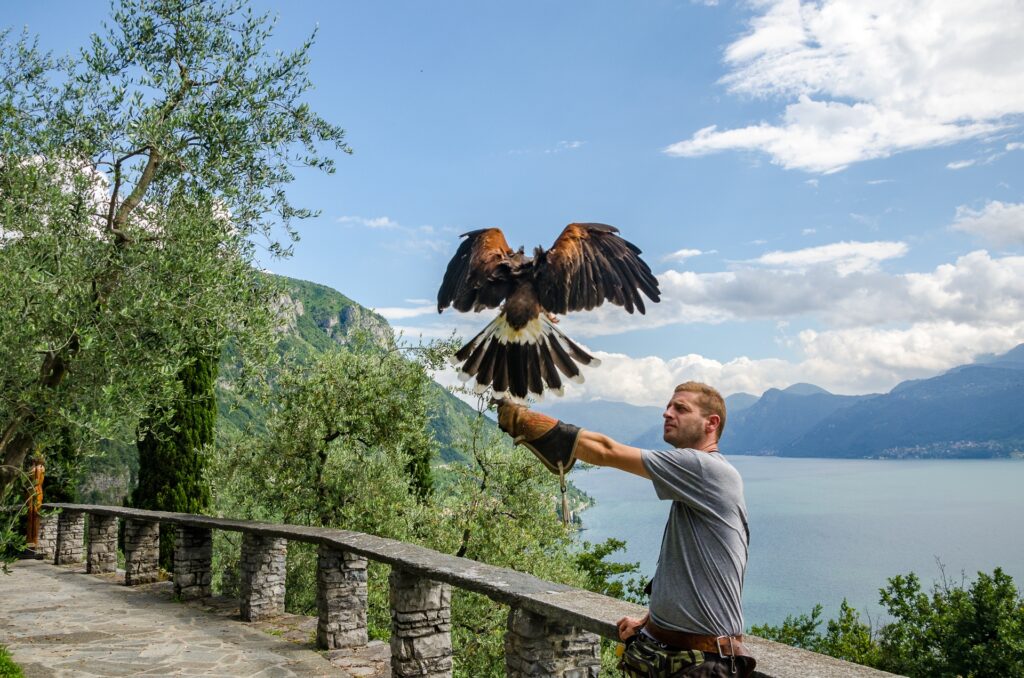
(522, 351)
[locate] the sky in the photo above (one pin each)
(828, 192)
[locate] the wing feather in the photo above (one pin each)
(590, 264)
(479, 276)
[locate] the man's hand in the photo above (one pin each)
(630, 626)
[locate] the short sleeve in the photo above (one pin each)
(678, 474)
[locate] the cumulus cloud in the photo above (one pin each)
(869, 78)
(861, 360)
(999, 223)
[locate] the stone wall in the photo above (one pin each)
(70, 538)
(46, 547)
(262, 573)
(538, 647)
(340, 599)
(102, 545)
(141, 552)
(193, 562)
(421, 624)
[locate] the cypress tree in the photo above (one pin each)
(171, 451)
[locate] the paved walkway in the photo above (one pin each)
(59, 621)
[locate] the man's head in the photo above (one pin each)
(695, 416)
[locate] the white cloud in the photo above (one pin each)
(402, 313)
(960, 164)
(809, 231)
(860, 360)
(876, 182)
(372, 223)
(812, 182)
(1015, 146)
(869, 78)
(847, 257)
(999, 223)
(684, 254)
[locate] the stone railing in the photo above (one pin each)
(553, 629)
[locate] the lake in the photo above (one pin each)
(825, 529)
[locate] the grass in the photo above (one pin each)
(8, 669)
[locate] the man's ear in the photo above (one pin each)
(712, 423)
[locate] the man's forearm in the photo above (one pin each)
(600, 450)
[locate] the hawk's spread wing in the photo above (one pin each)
(480, 274)
(590, 263)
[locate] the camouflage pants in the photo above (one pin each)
(645, 657)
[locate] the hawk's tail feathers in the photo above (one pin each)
(521, 363)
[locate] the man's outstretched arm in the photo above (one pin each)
(559, 444)
(600, 450)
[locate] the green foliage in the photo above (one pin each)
(173, 446)
(343, 448)
(954, 631)
(8, 669)
(604, 576)
(137, 179)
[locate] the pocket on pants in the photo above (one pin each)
(647, 658)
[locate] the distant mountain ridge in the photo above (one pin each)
(970, 411)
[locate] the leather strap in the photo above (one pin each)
(723, 646)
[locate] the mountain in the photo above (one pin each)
(779, 417)
(737, 402)
(313, 319)
(317, 318)
(973, 411)
(621, 421)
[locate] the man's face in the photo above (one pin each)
(684, 422)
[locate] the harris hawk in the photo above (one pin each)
(522, 352)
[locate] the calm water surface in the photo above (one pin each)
(825, 529)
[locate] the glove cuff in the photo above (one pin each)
(556, 448)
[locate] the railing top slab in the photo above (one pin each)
(583, 609)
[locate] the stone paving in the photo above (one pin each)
(58, 621)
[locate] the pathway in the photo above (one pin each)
(59, 621)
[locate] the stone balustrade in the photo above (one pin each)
(553, 630)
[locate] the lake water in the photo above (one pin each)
(825, 529)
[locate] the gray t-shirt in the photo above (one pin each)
(698, 586)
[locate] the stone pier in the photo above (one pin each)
(421, 628)
(340, 599)
(262, 570)
(70, 537)
(46, 547)
(193, 562)
(102, 544)
(141, 552)
(537, 647)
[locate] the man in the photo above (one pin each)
(695, 623)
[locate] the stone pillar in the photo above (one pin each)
(46, 547)
(539, 647)
(421, 629)
(102, 544)
(340, 599)
(193, 562)
(70, 537)
(262, 569)
(141, 552)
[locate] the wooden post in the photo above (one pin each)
(35, 502)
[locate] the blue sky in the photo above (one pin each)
(829, 192)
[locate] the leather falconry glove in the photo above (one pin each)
(552, 441)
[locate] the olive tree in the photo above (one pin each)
(138, 181)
